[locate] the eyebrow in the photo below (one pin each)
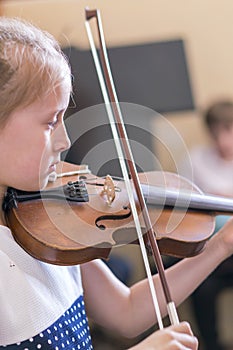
(55, 112)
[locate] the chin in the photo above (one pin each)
(37, 185)
(228, 157)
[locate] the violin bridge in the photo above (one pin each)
(108, 190)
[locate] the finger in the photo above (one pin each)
(184, 341)
(183, 336)
(182, 327)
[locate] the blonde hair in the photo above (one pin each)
(31, 65)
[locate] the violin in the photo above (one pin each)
(75, 219)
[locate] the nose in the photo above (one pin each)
(61, 139)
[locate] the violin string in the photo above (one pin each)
(125, 176)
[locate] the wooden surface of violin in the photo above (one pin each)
(66, 233)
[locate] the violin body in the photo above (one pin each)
(67, 232)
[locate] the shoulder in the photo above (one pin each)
(201, 152)
(204, 157)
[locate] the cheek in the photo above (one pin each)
(33, 152)
(226, 146)
(30, 165)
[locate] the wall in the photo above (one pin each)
(206, 26)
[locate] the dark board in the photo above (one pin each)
(154, 75)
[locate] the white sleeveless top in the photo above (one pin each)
(33, 294)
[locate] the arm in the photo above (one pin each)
(129, 310)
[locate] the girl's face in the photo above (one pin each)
(223, 136)
(32, 141)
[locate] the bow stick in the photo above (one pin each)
(125, 155)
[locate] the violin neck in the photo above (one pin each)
(185, 199)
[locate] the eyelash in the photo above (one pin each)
(53, 123)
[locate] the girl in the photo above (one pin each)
(42, 305)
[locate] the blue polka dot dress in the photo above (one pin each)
(69, 332)
(42, 305)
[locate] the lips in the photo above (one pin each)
(53, 167)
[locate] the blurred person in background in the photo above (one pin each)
(212, 167)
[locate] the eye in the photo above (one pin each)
(52, 124)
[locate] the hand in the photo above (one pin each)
(176, 337)
(225, 238)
